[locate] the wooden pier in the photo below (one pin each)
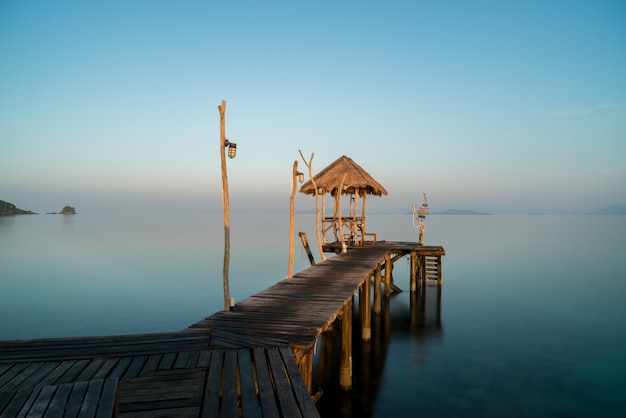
(255, 360)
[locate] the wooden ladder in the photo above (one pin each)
(429, 268)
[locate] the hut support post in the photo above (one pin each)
(345, 366)
(344, 245)
(355, 227)
(363, 213)
(324, 229)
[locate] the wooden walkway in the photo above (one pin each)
(252, 361)
(296, 311)
(149, 375)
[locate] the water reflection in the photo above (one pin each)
(420, 320)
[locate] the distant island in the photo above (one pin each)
(68, 210)
(611, 210)
(459, 212)
(9, 209)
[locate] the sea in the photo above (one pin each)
(529, 321)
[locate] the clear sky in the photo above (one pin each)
(502, 106)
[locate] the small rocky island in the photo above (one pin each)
(68, 210)
(9, 209)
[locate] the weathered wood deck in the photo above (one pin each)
(151, 375)
(245, 362)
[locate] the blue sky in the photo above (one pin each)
(497, 106)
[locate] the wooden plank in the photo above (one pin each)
(89, 405)
(24, 374)
(286, 400)
(10, 373)
(134, 368)
(75, 399)
(107, 404)
(167, 362)
(307, 407)
(249, 401)
(181, 360)
(151, 364)
(5, 398)
(42, 401)
(229, 386)
(192, 360)
(55, 375)
(20, 403)
(120, 368)
(204, 359)
(266, 388)
(212, 385)
(105, 370)
(40, 374)
(56, 407)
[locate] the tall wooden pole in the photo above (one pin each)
(222, 110)
(317, 205)
(292, 199)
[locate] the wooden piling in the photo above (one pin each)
(306, 369)
(365, 310)
(345, 366)
(413, 274)
(377, 280)
(387, 275)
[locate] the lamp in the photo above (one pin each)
(300, 176)
(232, 148)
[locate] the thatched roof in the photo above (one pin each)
(356, 178)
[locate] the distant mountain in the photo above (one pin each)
(460, 212)
(7, 209)
(610, 210)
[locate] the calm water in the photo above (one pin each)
(529, 320)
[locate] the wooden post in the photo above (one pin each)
(305, 243)
(306, 369)
(377, 280)
(365, 309)
(225, 202)
(317, 205)
(387, 275)
(292, 199)
(344, 246)
(345, 366)
(413, 274)
(355, 228)
(439, 277)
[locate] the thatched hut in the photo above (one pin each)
(345, 177)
